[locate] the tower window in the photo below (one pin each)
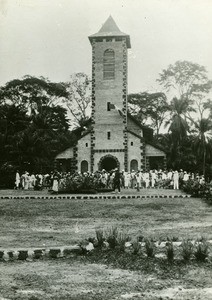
(131, 143)
(109, 64)
(86, 144)
(108, 106)
(108, 135)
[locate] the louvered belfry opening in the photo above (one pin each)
(109, 64)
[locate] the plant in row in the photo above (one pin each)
(113, 238)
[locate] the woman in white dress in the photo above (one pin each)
(55, 186)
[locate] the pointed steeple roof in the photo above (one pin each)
(109, 26)
(110, 29)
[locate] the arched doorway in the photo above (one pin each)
(108, 162)
(134, 165)
(84, 166)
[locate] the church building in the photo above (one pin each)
(115, 139)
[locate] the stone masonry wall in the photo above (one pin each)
(116, 154)
(104, 91)
(134, 150)
(84, 150)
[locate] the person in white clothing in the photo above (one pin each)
(170, 175)
(185, 176)
(138, 180)
(146, 179)
(153, 178)
(127, 177)
(17, 180)
(176, 180)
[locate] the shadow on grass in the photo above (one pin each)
(161, 267)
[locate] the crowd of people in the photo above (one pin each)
(113, 180)
(27, 181)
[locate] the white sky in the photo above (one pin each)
(50, 37)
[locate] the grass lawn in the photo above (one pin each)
(53, 222)
(32, 223)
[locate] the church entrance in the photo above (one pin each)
(108, 163)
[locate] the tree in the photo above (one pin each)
(78, 100)
(32, 93)
(181, 156)
(202, 145)
(178, 125)
(187, 79)
(188, 82)
(47, 135)
(188, 85)
(13, 120)
(46, 132)
(151, 107)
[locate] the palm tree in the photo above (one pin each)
(202, 145)
(178, 124)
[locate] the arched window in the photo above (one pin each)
(134, 165)
(109, 64)
(84, 166)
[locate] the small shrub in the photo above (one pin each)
(201, 250)
(175, 239)
(187, 249)
(140, 238)
(10, 254)
(136, 246)
(122, 238)
(1, 254)
(150, 248)
(23, 254)
(100, 237)
(38, 253)
(53, 253)
(112, 237)
(67, 252)
(169, 250)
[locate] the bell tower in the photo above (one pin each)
(109, 95)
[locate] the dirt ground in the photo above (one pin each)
(58, 222)
(80, 280)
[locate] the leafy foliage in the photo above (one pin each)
(150, 248)
(78, 99)
(151, 107)
(33, 127)
(188, 85)
(32, 93)
(136, 245)
(201, 250)
(188, 79)
(100, 237)
(187, 249)
(122, 239)
(201, 142)
(112, 237)
(77, 183)
(170, 251)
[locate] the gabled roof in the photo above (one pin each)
(110, 29)
(147, 131)
(159, 147)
